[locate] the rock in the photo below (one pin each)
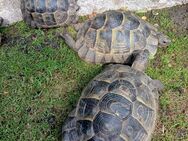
(92, 6)
(144, 18)
(10, 9)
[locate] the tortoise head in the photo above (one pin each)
(164, 40)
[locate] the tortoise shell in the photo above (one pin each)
(119, 104)
(48, 13)
(113, 36)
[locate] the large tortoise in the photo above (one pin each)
(116, 37)
(120, 104)
(49, 13)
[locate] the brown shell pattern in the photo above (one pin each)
(118, 105)
(113, 36)
(48, 13)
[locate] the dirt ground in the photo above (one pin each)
(179, 16)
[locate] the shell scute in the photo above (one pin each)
(60, 16)
(106, 124)
(139, 40)
(70, 135)
(85, 129)
(30, 5)
(99, 58)
(133, 130)
(87, 108)
(95, 89)
(146, 31)
(120, 41)
(51, 6)
(82, 32)
(144, 96)
(118, 58)
(63, 5)
(90, 56)
(131, 23)
(49, 19)
(114, 20)
(83, 51)
(124, 87)
(91, 36)
(116, 104)
(143, 114)
(107, 76)
(40, 6)
(103, 41)
(38, 17)
(99, 21)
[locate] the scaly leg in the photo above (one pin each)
(68, 39)
(141, 61)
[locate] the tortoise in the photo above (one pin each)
(120, 104)
(49, 13)
(116, 37)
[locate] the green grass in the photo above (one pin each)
(171, 67)
(40, 77)
(41, 80)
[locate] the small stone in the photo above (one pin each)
(155, 13)
(169, 65)
(156, 25)
(5, 93)
(144, 18)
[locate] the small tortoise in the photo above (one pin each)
(49, 13)
(116, 37)
(120, 104)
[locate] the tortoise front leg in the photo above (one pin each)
(68, 39)
(141, 61)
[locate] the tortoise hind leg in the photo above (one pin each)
(68, 39)
(141, 61)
